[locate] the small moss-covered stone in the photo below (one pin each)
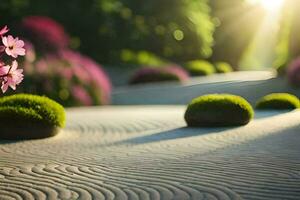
(215, 110)
(24, 116)
(223, 67)
(278, 101)
(159, 74)
(200, 68)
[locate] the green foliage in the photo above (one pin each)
(223, 67)
(200, 68)
(278, 101)
(215, 110)
(24, 116)
(140, 58)
(179, 30)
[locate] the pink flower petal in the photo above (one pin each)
(12, 86)
(20, 51)
(10, 53)
(4, 30)
(14, 65)
(4, 87)
(10, 41)
(4, 41)
(2, 48)
(19, 43)
(4, 70)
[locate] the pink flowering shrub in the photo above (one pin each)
(45, 33)
(52, 69)
(10, 49)
(179, 71)
(293, 72)
(67, 77)
(162, 74)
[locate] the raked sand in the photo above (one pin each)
(251, 85)
(146, 152)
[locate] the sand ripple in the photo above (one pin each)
(148, 153)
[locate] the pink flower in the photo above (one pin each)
(178, 71)
(90, 72)
(14, 46)
(12, 76)
(3, 31)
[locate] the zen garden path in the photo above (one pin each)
(147, 152)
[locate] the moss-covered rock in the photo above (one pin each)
(24, 116)
(200, 68)
(278, 101)
(216, 110)
(223, 67)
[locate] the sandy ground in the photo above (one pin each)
(251, 85)
(146, 152)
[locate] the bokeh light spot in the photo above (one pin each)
(178, 35)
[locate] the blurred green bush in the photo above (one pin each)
(223, 67)
(178, 30)
(199, 68)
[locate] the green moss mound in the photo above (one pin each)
(278, 101)
(200, 68)
(24, 116)
(223, 67)
(215, 110)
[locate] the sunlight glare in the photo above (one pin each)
(261, 51)
(269, 5)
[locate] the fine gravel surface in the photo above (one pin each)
(147, 152)
(251, 85)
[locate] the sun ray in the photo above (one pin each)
(268, 5)
(261, 52)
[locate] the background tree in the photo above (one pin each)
(178, 30)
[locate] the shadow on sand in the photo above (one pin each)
(260, 114)
(177, 133)
(10, 141)
(185, 132)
